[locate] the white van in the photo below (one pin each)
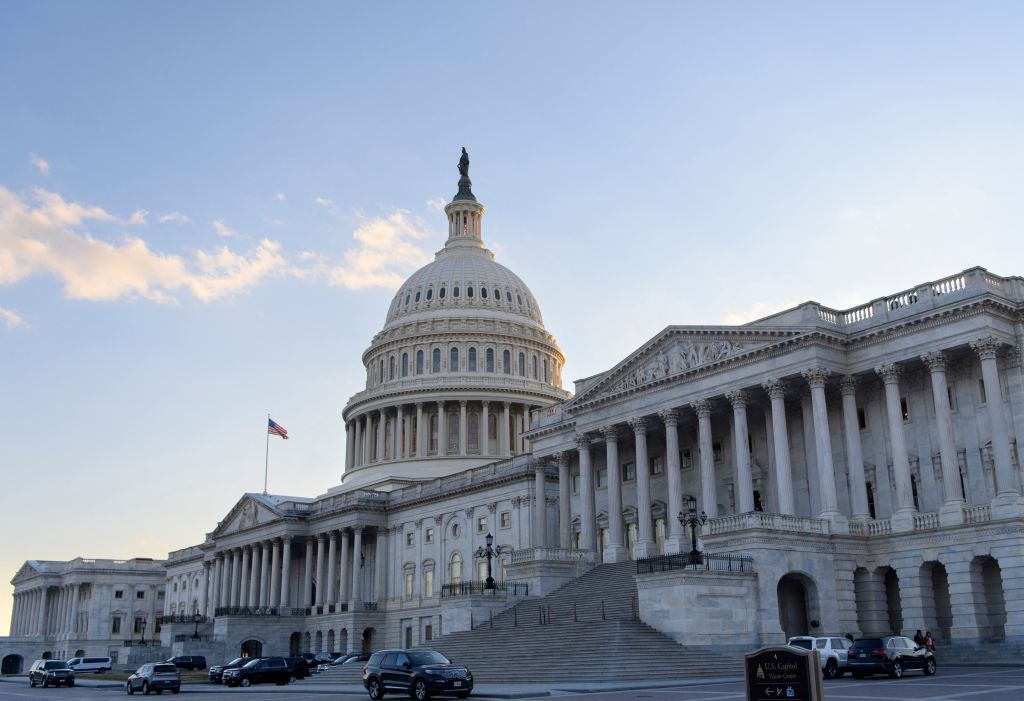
(90, 664)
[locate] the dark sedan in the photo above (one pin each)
(216, 672)
(892, 655)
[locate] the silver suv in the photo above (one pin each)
(834, 652)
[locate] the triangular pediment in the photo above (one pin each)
(248, 513)
(27, 571)
(679, 351)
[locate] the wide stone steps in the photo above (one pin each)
(342, 674)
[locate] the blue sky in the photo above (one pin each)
(205, 208)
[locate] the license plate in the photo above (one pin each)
(457, 684)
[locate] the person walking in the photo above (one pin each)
(929, 642)
(919, 637)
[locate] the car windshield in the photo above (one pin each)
(867, 644)
(420, 657)
(165, 669)
(805, 644)
(56, 664)
(237, 661)
(252, 663)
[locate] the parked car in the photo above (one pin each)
(298, 667)
(188, 662)
(325, 657)
(420, 673)
(155, 676)
(91, 664)
(259, 671)
(833, 650)
(893, 654)
(216, 672)
(51, 672)
(350, 658)
(310, 658)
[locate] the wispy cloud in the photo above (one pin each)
(224, 230)
(138, 216)
(386, 252)
(280, 197)
(44, 234)
(11, 318)
(176, 217)
(40, 163)
(436, 204)
(327, 204)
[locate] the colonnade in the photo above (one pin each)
(441, 427)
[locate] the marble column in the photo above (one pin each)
(218, 574)
(236, 578)
(73, 613)
(588, 517)
(463, 427)
(505, 433)
(332, 558)
(483, 438)
(615, 550)
(379, 567)
(345, 577)
(564, 501)
(854, 453)
(382, 429)
(254, 576)
(903, 517)
(349, 445)
(676, 541)
(951, 512)
(368, 439)
(286, 573)
(397, 448)
(357, 574)
(275, 574)
(776, 390)
(421, 446)
(1007, 486)
(540, 522)
(645, 544)
(320, 569)
(307, 575)
(357, 446)
(741, 452)
(442, 430)
(204, 585)
(44, 612)
(705, 449)
(265, 571)
(816, 378)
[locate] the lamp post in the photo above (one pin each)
(142, 638)
(195, 633)
(489, 552)
(692, 519)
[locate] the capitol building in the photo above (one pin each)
(859, 469)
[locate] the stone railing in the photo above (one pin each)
(518, 465)
(977, 513)
(551, 555)
(879, 527)
(766, 521)
(446, 380)
(926, 521)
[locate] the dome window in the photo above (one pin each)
(483, 292)
(417, 297)
(453, 360)
(436, 360)
(419, 362)
(520, 298)
(546, 370)
(455, 291)
(506, 362)
(522, 365)
(508, 297)
(469, 292)
(405, 365)
(430, 294)
(490, 360)
(440, 294)
(497, 294)
(407, 300)
(471, 359)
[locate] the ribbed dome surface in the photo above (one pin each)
(466, 278)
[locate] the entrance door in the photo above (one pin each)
(252, 648)
(11, 664)
(792, 607)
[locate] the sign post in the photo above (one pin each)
(783, 673)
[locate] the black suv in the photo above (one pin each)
(892, 654)
(188, 662)
(47, 672)
(419, 673)
(259, 671)
(216, 673)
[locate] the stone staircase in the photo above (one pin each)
(586, 630)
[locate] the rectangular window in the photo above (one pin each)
(716, 450)
(481, 524)
(115, 624)
(904, 408)
(602, 478)
(138, 623)
(428, 632)
(140, 595)
(862, 419)
(410, 539)
(428, 536)
(576, 483)
(628, 472)
(951, 396)
(118, 594)
(428, 583)
(686, 459)
(981, 392)
(657, 466)
(408, 585)
(506, 519)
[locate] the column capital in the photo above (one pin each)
(485, 402)
(582, 440)
(540, 466)
(702, 407)
(610, 432)
(463, 403)
(987, 348)
(738, 398)
(816, 376)
(357, 529)
(670, 417)
(320, 537)
(419, 406)
(935, 360)
(561, 458)
(889, 372)
(287, 538)
(775, 388)
(848, 385)
(440, 404)
(638, 424)
(507, 405)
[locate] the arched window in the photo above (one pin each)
(391, 368)
(440, 293)
(497, 295)
(453, 432)
(407, 300)
(419, 362)
(436, 361)
(472, 360)
(455, 569)
(508, 297)
(405, 364)
(490, 360)
(533, 366)
(546, 370)
(483, 292)
(433, 433)
(506, 362)
(492, 426)
(455, 291)
(417, 298)
(520, 299)
(522, 365)
(469, 292)
(453, 360)
(473, 432)
(380, 376)
(430, 294)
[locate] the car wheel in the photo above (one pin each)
(929, 666)
(32, 682)
(897, 669)
(145, 688)
(375, 689)
(70, 684)
(45, 684)
(245, 682)
(128, 688)
(831, 669)
(420, 690)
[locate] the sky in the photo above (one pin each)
(206, 207)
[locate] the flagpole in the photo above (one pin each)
(266, 459)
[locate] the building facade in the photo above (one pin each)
(864, 462)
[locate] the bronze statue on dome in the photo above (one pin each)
(464, 163)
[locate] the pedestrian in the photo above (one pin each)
(919, 637)
(929, 641)
(849, 636)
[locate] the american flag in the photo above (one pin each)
(276, 429)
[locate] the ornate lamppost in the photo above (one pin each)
(142, 638)
(195, 633)
(489, 552)
(692, 519)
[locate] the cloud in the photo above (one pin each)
(280, 197)
(138, 216)
(41, 164)
(43, 235)
(176, 217)
(11, 318)
(436, 204)
(386, 252)
(327, 204)
(224, 230)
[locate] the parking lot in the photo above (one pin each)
(950, 684)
